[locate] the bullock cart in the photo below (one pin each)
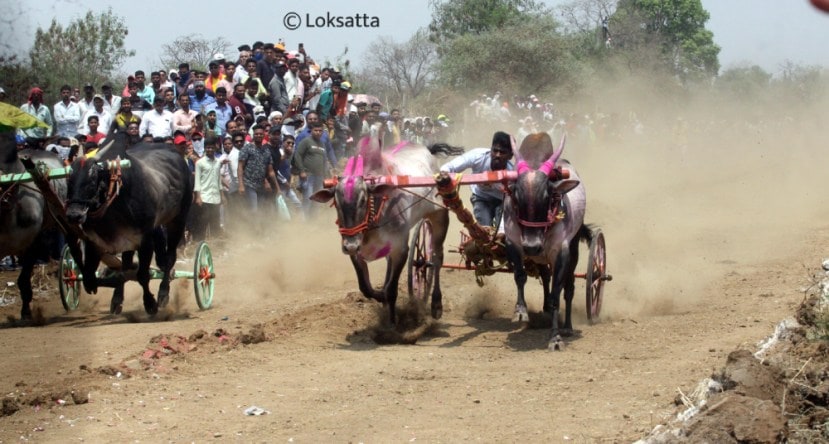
(482, 249)
(69, 275)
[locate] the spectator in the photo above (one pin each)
(185, 118)
(224, 112)
(85, 103)
(92, 133)
(310, 159)
(105, 119)
(200, 99)
(125, 117)
(67, 114)
(36, 108)
(146, 93)
(255, 166)
(207, 192)
(112, 103)
(237, 103)
(159, 122)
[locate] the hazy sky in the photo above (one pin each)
(763, 32)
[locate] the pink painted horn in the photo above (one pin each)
(358, 170)
(522, 167)
(349, 167)
(548, 165)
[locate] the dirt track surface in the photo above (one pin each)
(709, 249)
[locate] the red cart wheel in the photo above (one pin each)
(596, 276)
(421, 268)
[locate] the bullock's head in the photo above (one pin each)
(536, 199)
(87, 189)
(357, 203)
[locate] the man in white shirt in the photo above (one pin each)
(67, 114)
(112, 103)
(158, 122)
(105, 118)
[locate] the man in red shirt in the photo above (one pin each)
(94, 135)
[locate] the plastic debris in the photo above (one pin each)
(255, 411)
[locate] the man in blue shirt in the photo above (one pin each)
(487, 199)
(224, 112)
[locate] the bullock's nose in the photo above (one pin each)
(350, 246)
(75, 216)
(532, 250)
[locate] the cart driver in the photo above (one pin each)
(488, 198)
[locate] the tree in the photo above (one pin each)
(192, 49)
(399, 71)
(18, 77)
(585, 16)
(677, 27)
(528, 57)
(89, 50)
(453, 18)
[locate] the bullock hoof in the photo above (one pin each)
(26, 313)
(567, 332)
(150, 306)
(437, 312)
(520, 314)
(115, 308)
(556, 344)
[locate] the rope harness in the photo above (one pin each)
(372, 219)
(115, 182)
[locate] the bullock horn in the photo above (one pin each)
(521, 167)
(512, 143)
(358, 170)
(349, 167)
(550, 163)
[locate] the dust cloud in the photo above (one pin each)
(710, 186)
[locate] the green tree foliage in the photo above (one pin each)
(454, 18)
(527, 57)
(90, 49)
(677, 27)
(17, 79)
(743, 81)
(193, 49)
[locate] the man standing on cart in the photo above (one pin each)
(488, 198)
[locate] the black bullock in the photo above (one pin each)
(25, 222)
(143, 207)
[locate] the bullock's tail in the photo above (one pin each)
(585, 234)
(445, 149)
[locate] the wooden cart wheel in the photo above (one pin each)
(421, 268)
(203, 276)
(69, 280)
(596, 276)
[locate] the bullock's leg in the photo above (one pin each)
(397, 260)
(568, 282)
(24, 281)
(555, 343)
(165, 258)
(440, 226)
(520, 275)
(364, 282)
(116, 305)
(145, 256)
(91, 259)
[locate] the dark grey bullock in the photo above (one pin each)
(543, 222)
(26, 226)
(375, 219)
(141, 208)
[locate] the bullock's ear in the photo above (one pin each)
(565, 186)
(322, 196)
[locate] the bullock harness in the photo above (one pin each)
(114, 189)
(554, 212)
(372, 219)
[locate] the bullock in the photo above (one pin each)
(142, 208)
(25, 220)
(543, 223)
(375, 219)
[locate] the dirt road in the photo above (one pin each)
(709, 250)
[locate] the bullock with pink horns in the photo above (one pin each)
(375, 219)
(543, 222)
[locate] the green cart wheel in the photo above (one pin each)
(204, 276)
(69, 280)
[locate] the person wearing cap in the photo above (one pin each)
(35, 107)
(158, 122)
(105, 118)
(488, 198)
(112, 103)
(199, 99)
(67, 114)
(85, 102)
(214, 76)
